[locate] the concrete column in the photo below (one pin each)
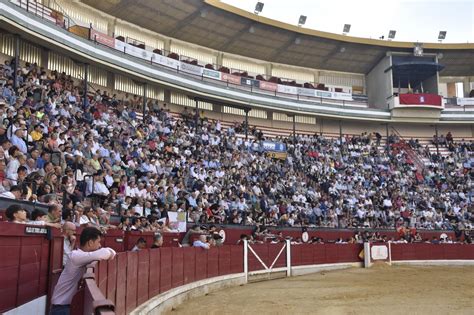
(268, 70)
(167, 45)
(145, 87)
(270, 115)
(16, 66)
(219, 59)
(110, 81)
(466, 86)
(167, 96)
(247, 123)
(316, 78)
(86, 85)
(217, 108)
(111, 27)
(44, 58)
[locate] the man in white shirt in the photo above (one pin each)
(17, 140)
(99, 187)
(14, 193)
(67, 285)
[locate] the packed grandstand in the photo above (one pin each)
(76, 155)
(98, 158)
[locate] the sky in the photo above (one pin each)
(414, 21)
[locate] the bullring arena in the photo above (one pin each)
(195, 157)
(423, 290)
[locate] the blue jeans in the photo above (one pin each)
(60, 310)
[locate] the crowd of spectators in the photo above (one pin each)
(92, 160)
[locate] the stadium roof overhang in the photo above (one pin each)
(222, 27)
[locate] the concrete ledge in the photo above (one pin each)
(35, 307)
(454, 262)
(304, 270)
(174, 297)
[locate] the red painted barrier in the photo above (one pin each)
(29, 266)
(169, 239)
(165, 269)
(115, 239)
(236, 259)
(132, 282)
(189, 264)
(212, 261)
(154, 280)
(121, 292)
(201, 264)
(224, 260)
(177, 277)
(427, 251)
(111, 279)
(143, 276)
(94, 301)
(312, 254)
(233, 233)
(262, 251)
(273, 252)
(102, 276)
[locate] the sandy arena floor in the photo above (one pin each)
(380, 290)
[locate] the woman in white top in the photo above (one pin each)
(89, 218)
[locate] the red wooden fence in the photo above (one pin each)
(31, 264)
(134, 277)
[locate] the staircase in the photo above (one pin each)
(414, 157)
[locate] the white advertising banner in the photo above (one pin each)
(333, 95)
(213, 74)
(165, 61)
(379, 252)
(306, 92)
(193, 69)
(287, 89)
(147, 55)
(177, 220)
(197, 70)
(463, 101)
(342, 96)
(132, 50)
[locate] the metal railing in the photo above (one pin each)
(44, 12)
(410, 152)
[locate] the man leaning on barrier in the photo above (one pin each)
(75, 268)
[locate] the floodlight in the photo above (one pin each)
(258, 8)
(391, 34)
(441, 36)
(346, 29)
(302, 20)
